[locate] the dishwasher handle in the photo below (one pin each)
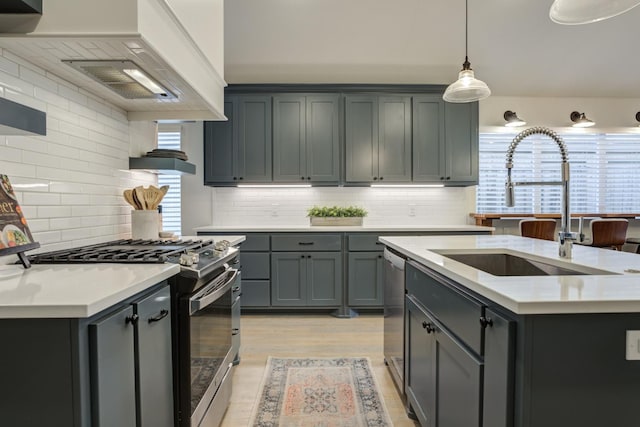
(394, 259)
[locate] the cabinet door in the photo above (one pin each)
(219, 154)
(458, 376)
(394, 139)
(288, 279)
(461, 137)
(289, 130)
(497, 410)
(420, 381)
(366, 279)
(153, 361)
(254, 139)
(324, 278)
(113, 389)
(323, 138)
(361, 143)
(428, 139)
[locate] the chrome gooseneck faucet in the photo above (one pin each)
(565, 236)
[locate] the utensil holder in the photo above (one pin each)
(144, 224)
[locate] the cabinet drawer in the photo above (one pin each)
(458, 312)
(364, 242)
(306, 242)
(255, 265)
(256, 293)
(255, 242)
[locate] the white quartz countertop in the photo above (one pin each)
(77, 290)
(80, 290)
(351, 229)
(593, 293)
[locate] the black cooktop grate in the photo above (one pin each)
(121, 251)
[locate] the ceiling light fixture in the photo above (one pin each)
(580, 120)
(513, 120)
(467, 88)
(576, 12)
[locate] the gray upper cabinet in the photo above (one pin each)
(445, 141)
(461, 142)
(239, 150)
(306, 138)
(378, 138)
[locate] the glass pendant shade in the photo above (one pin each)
(467, 88)
(575, 12)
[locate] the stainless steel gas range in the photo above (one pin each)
(205, 316)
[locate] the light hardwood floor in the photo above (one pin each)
(307, 335)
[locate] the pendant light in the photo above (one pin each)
(467, 88)
(575, 12)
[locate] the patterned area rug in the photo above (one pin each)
(319, 392)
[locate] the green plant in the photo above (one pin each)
(336, 211)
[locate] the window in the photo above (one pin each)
(604, 170)
(171, 220)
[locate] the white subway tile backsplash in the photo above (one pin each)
(70, 182)
(388, 206)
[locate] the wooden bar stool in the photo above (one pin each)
(538, 228)
(608, 233)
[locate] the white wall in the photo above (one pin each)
(70, 182)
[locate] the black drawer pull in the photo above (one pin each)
(163, 313)
(133, 319)
(306, 243)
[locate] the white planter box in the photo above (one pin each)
(316, 220)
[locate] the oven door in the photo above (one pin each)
(204, 346)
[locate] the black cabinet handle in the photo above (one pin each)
(163, 313)
(241, 177)
(428, 326)
(375, 178)
(381, 178)
(133, 319)
(442, 178)
(486, 321)
(235, 331)
(379, 256)
(234, 178)
(301, 256)
(309, 178)
(305, 243)
(308, 256)
(448, 178)
(302, 177)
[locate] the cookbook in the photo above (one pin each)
(15, 236)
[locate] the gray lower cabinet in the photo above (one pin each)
(365, 279)
(239, 150)
(306, 138)
(458, 370)
(378, 138)
(306, 279)
(255, 261)
(114, 369)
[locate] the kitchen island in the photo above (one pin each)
(494, 350)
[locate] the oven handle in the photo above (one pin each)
(211, 292)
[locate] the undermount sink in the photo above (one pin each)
(504, 264)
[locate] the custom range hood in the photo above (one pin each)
(114, 48)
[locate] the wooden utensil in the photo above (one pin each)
(138, 196)
(128, 196)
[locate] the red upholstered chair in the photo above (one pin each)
(608, 233)
(538, 228)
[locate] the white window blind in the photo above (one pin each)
(604, 173)
(171, 220)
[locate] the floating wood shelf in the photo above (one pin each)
(163, 165)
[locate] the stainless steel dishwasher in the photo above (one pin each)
(394, 316)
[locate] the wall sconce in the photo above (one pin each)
(580, 120)
(513, 120)
(637, 119)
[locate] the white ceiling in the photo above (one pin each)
(513, 45)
